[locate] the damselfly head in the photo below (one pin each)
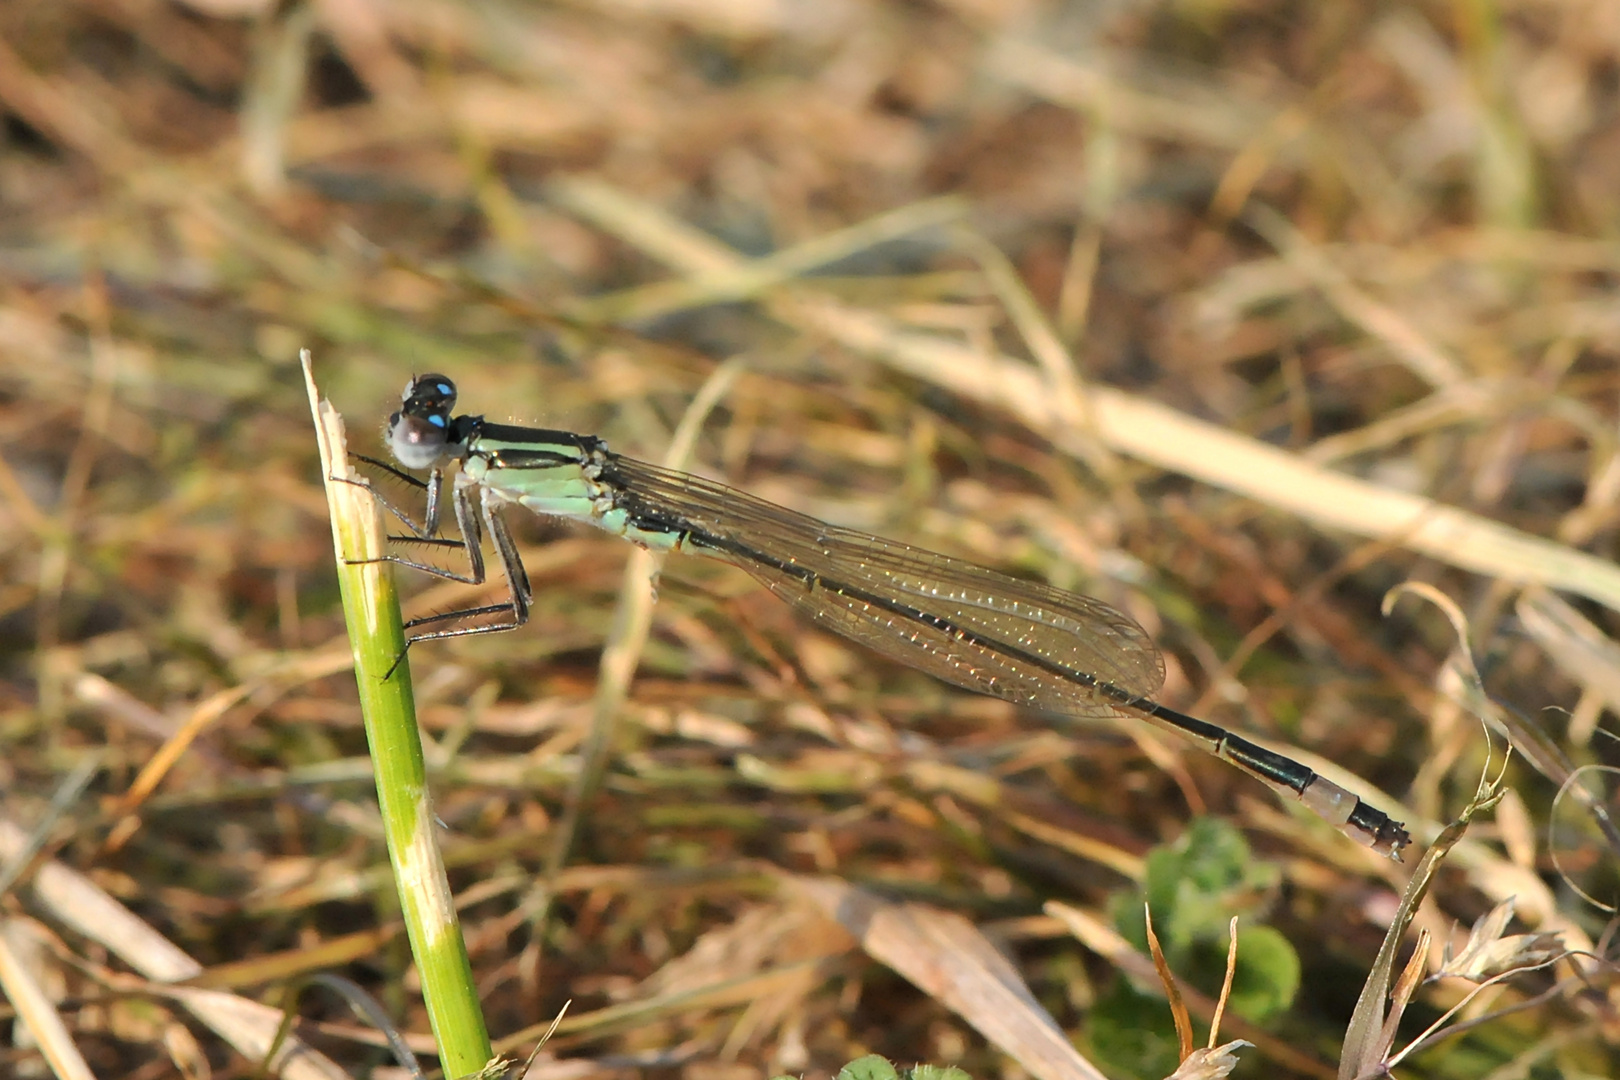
(419, 433)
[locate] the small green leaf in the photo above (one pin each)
(1196, 885)
(939, 1072)
(1267, 973)
(870, 1067)
(1133, 1033)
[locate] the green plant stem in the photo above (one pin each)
(376, 632)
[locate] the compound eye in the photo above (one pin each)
(428, 393)
(418, 442)
(419, 433)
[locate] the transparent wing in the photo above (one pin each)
(970, 626)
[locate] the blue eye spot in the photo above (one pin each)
(436, 420)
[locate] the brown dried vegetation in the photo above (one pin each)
(1235, 314)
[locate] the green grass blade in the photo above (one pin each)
(376, 632)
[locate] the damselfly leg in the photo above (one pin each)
(472, 522)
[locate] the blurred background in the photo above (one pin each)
(1233, 313)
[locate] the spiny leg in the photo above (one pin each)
(427, 531)
(517, 579)
(467, 520)
(426, 568)
(519, 592)
(392, 470)
(433, 485)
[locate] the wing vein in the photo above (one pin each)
(971, 626)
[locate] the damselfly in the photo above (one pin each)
(1027, 643)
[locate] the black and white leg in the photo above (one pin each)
(433, 485)
(519, 593)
